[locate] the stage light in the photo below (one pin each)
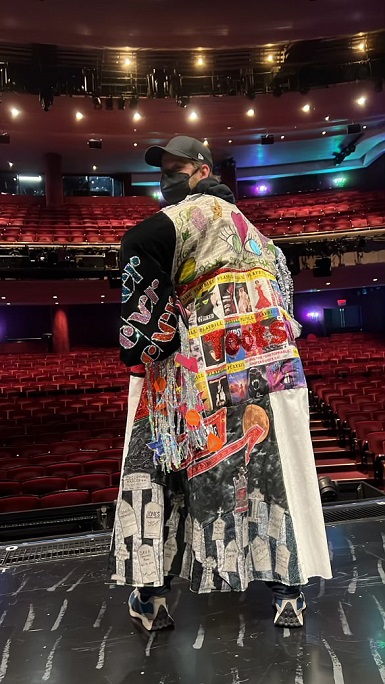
(109, 104)
(10, 164)
(135, 144)
(193, 116)
(54, 296)
(97, 102)
(94, 167)
(229, 141)
(267, 139)
(323, 132)
(339, 181)
(282, 137)
(270, 58)
(375, 280)
(79, 116)
(327, 118)
(137, 116)
(14, 112)
(328, 489)
(364, 127)
(262, 189)
(182, 101)
(127, 61)
(328, 283)
(314, 315)
(95, 144)
(199, 62)
(250, 112)
(361, 46)
(206, 142)
(306, 108)
(361, 101)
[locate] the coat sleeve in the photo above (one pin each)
(148, 326)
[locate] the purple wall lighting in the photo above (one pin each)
(262, 189)
(313, 315)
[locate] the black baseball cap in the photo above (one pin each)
(181, 146)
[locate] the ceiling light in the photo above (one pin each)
(10, 164)
(79, 116)
(3, 298)
(327, 118)
(364, 127)
(375, 280)
(327, 283)
(199, 62)
(229, 141)
(250, 112)
(323, 132)
(137, 116)
(15, 112)
(229, 128)
(94, 167)
(361, 100)
(135, 144)
(30, 179)
(193, 116)
(282, 137)
(8, 303)
(102, 296)
(127, 61)
(57, 303)
(206, 142)
(270, 58)
(54, 296)
(306, 108)
(361, 46)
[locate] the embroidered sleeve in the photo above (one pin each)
(284, 280)
(148, 327)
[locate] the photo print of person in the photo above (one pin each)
(227, 292)
(262, 301)
(219, 391)
(238, 386)
(209, 306)
(257, 382)
(196, 351)
(243, 299)
(213, 348)
(285, 374)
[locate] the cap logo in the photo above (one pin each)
(200, 156)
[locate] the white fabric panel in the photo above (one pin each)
(134, 392)
(291, 419)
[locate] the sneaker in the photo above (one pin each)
(289, 612)
(152, 613)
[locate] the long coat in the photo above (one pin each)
(218, 482)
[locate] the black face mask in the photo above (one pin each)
(174, 186)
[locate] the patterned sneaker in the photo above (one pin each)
(289, 612)
(152, 613)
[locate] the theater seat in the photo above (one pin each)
(91, 482)
(105, 495)
(43, 485)
(13, 504)
(67, 498)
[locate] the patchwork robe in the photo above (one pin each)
(248, 508)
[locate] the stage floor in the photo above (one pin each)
(61, 624)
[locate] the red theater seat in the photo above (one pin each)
(105, 465)
(24, 473)
(90, 482)
(67, 498)
(43, 485)
(13, 504)
(105, 495)
(7, 488)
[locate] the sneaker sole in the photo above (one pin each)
(162, 621)
(289, 618)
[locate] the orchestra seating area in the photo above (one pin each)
(346, 377)
(106, 221)
(62, 423)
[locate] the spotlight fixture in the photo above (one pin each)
(134, 101)
(250, 112)
(79, 116)
(121, 103)
(193, 116)
(96, 101)
(306, 108)
(328, 489)
(267, 139)
(206, 142)
(127, 61)
(95, 143)
(137, 116)
(183, 101)
(361, 46)
(361, 101)
(199, 62)
(109, 103)
(270, 58)
(15, 112)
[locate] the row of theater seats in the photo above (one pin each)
(75, 497)
(312, 213)
(344, 354)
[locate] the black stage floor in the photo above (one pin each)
(60, 624)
